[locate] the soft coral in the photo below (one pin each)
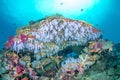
(23, 37)
(19, 69)
(94, 30)
(10, 42)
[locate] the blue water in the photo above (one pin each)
(105, 15)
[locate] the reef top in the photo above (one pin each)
(35, 24)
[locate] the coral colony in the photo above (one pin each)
(53, 31)
(37, 51)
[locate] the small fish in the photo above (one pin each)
(97, 25)
(61, 3)
(81, 9)
(14, 24)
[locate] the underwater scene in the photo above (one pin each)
(60, 40)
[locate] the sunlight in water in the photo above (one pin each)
(65, 6)
(73, 5)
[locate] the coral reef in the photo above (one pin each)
(49, 36)
(58, 48)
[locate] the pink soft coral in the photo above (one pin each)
(10, 42)
(19, 69)
(23, 37)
